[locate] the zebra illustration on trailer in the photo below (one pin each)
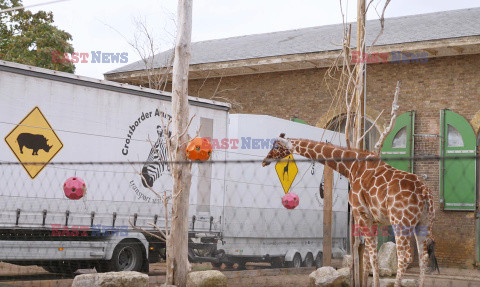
(155, 165)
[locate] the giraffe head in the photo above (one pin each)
(282, 147)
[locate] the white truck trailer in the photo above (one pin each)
(73, 119)
(112, 135)
(256, 227)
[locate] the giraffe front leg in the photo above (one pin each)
(366, 265)
(404, 255)
(370, 258)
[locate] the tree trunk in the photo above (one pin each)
(359, 126)
(181, 173)
(327, 215)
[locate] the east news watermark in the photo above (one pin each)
(395, 57)
(94, 57)
(397, 230)
(95, 230)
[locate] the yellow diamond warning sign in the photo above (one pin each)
(287, 171)
(34, 141)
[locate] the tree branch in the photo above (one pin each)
(387, 130)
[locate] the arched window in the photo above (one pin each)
(400, 139)
(338, 124)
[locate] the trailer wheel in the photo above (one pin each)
(229, 265)
(319, 260)
(127, 256)
(296, 262)
(216, 264)
(308, 260)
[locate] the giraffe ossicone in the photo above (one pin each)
(379, 194)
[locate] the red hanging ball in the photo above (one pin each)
(74, 188)
(290, 200)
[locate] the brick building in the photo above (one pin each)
(437, 58)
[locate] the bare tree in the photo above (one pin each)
(177, 254)
(157, 70)
(348, 96)
(181, 173)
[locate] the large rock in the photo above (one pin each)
(328, 276)
(345, 274)
(390, 282)
(387, 259)
(210, 278)
(347, 261)
(111, 279)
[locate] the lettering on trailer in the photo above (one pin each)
(34, 141)
(155, 166)
(287, 171)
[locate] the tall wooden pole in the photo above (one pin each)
(181, 173)
(359, 126)
(360, 96)
(327, 215)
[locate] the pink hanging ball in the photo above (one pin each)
(290, 200)
(74, 188)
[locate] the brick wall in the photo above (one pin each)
(450, 82)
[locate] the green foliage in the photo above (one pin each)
(30, 38)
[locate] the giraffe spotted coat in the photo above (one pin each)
(380, 194)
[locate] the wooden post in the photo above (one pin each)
(327, 215)
(360, 96)
(181, 172)
(359, 126)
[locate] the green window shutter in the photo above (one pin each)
(398, 145)
(457, 165)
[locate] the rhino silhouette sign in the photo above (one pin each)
(33, 142)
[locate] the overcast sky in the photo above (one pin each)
(108, 25)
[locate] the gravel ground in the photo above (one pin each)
(255, 275)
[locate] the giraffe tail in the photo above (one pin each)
(433, 264)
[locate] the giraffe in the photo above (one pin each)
(380, 194)
(285, 170)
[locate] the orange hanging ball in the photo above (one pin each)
(199, 149)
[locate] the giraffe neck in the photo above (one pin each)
(325, 152)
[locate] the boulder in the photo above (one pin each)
(327, 276)
(390, 282)
(111, 279)
(345, 274)
(387, 259)
(210, 278)
(347, 261)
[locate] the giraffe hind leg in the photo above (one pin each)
(422, 255)
(404, 255)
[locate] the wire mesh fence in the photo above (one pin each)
(50, 224)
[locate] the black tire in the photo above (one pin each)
(319, 260)
(127, 256)
(216, 265)
(296, 262)
(229, 265)
(308, 262)
(103, 266)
